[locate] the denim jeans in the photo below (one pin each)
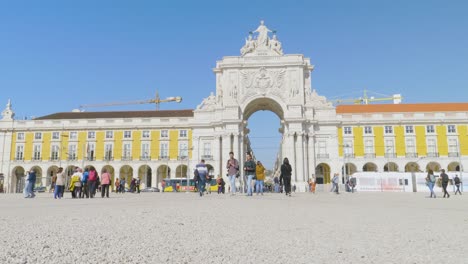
(249, 184)
(431, 188)
(277, 188)
(28, 190)
(201, 186)
(259, 186)
(232, 180)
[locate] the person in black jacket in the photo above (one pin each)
(445, 181)
(285, 176)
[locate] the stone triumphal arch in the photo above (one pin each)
(263, 78)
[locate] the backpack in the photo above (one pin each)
(92, 176)
(457, 180)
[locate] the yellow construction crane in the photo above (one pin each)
(157, 100)
(396, 98)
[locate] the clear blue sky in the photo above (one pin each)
(56, 55)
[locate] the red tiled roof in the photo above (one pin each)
(402, 108)
(118, 114)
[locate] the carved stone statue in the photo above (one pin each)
(208, 103)
(262, 30)
(249, 46)
(275, 45)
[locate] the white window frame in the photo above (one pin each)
(72, 152)
(348, 148)
(388, 130)
(54, 152)
(165, 134)
(91, 134)
(390, 146)
(369, 146)
(55, 135)
(431, 148)
(37, 148)
(109, 134)
(127, 134)
(368, 130)
(91, 151)
(409, 130)
(430, 129)
(347, 130)
(73, 135)
(145, 134)
(37, 136)
(20, 136)
(108, 151)
(183, 149)
(145, 150)
(164, 150)
(453, 145)
(126, 150)
(19, 154)
(451, 129)
(206, 148)
(410, 144)
(183, 133)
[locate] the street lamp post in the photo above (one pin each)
(460, 165)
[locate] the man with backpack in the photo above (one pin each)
(445, 181)
(457, 184)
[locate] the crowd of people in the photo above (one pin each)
(85, 184)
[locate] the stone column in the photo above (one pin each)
(217, 156)
(311, 150)
(299, 158)
(196, 150)
(154, 179)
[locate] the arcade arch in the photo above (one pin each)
(144, 174)
(370, 166)
(433, 166)
(453, 166)
(391, 166)
(322, 173)
(181, 171)
(412, 167)
(126, 172)
(17, 181)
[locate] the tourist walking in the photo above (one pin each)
(75, 184)
(430, 181)
(313, 184)
(249, 169)
(445, 181)
(335, 181)
(221, 185)
(122, 185)
(59, 184)
(92, 181)
(277, 184)
(208, 184)
(457, 184)
(285, 176)
(233, 172)
(29, 184)
(117, 185)
(105, 182)
(53, 182)
(202, 172)
(137, 185)
(84, 184)
(260, 175)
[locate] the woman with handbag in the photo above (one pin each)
(285, 177)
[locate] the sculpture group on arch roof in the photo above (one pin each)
(262, 41)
